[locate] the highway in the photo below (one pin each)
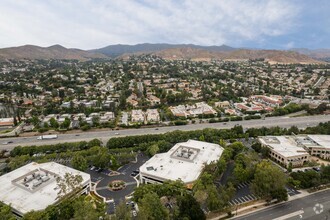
(314, 206)
(285, 122)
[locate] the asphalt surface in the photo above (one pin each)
(315, 206)
(125, 175)
(300, 122)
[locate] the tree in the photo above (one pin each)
(222, 143)
(122, 211)
(84, 210)
(269, 181)
(151, 206)
(189, 208)
(5, 212)
(79, 162)
(53, 123)
(66, 123)
(36, 215)
(68, 184)
(153, 149)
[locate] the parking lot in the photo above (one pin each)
(243, 194)
(126, 172)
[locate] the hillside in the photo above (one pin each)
(275, 56)
(120, 49)
(52, 52)
(319, 54)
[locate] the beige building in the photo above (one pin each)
(137, 116)
(316, 145)
(224, 104)
(285, 150)
(152, 115)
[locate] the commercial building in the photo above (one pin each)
(34, 186)
(316, 145)
(184, 161)
(285, 150)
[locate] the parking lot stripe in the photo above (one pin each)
(231, 203)
(247, 198)
(240, 200)
(254, 196)
(250, 197)
(236, 201)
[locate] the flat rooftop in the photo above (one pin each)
(321, 141)
(183, 161)
(284, 145)
(34, 186)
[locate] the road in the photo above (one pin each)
(315, 206)
(300, 122)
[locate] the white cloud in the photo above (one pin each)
(97, 23)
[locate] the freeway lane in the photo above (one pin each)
(300, 122)
(315, 206)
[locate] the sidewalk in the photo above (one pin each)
(261, 205)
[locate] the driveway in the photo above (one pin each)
(125, 175)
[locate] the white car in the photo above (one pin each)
(134, 213)
(116, 133)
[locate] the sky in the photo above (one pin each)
(91, 24)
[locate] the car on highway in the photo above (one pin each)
(7, 142)
(116, 133)
(156, 128)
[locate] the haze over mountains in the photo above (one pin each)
(53, 52)
(166, 51)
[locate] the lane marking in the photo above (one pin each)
(290, 215)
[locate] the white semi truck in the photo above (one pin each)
(46, 137)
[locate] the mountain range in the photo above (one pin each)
(167, 51)
(53, 52)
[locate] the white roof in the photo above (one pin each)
(172, 166)
(24, 199)
(284, 145)
(322, 141)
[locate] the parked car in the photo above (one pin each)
(98, 170)
(134, 213)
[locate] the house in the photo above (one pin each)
(224, 104)
(6, 121)
(152, 115)
(137, 116)
(153, 100)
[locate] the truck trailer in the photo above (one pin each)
(45, 137)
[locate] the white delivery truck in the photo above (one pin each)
(45, 137)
